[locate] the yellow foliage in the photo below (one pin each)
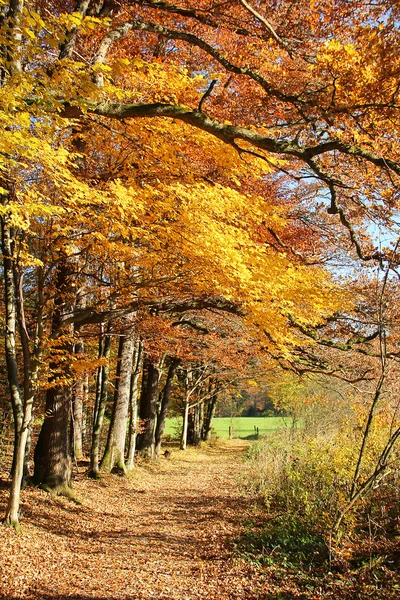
(156, 220)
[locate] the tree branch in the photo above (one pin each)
(91, 315)
(267, 25)
(138, 25)
(206, 94)
(227, 133)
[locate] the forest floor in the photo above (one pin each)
(166, 532)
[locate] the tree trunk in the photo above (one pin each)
(10, 303)
(77, 401)
(52, 452)
(22, 411)
(209, 415)
(16, 8)
(197, 421)
(30, 360)
(11, 516)
(10, 53)
(114, 455)
(133, 405)
(103, 374)
(31, 372)
(165, 398)
(189, 390)
(148, 408)
(185, 424)
(79, 390)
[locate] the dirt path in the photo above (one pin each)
(167, 532)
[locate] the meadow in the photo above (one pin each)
(242, 427)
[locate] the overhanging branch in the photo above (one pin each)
(225, 132)
(230, 134)
(92, 315)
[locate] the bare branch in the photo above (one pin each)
(206, 94)
(267, 25)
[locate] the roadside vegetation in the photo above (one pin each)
(304, 478)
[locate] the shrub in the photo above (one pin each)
(305, 474)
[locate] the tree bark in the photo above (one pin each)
(114, 455)
(31, 372)
(103, 374)
(190, 387)
(185, 424)
(67, 48)
(79, 391)
(148, 408)
(15, 35)
(209, 414)
(30, 359)
(52, 452)
(165, 399)
(11, 516)
(77, 401)
(195, 424)
(10, 302)
(133, 405)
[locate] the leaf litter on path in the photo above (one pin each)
(164, 532)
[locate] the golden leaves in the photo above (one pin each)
(86, 24)
(214, 228)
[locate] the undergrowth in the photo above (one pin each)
(304, 477)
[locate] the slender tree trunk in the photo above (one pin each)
(77, 397)
(67, 48)
(195, 424)
(11, 516)
(190, 387)
(10, 302)
(190, 428)
(133, 405)
(114, 455)
(209, 416)
(366, 434)
(10, 52)
(22, 411)
(29, 360)
(185, 424)
(165, 399)
(103, 374)
(31, 372)
(148, 408)
(14, 49)
(207, 428)
(79, 390)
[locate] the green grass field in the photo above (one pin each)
(243, 427)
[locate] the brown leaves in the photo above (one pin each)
(163, 533)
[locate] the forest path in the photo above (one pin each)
(166, 532)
